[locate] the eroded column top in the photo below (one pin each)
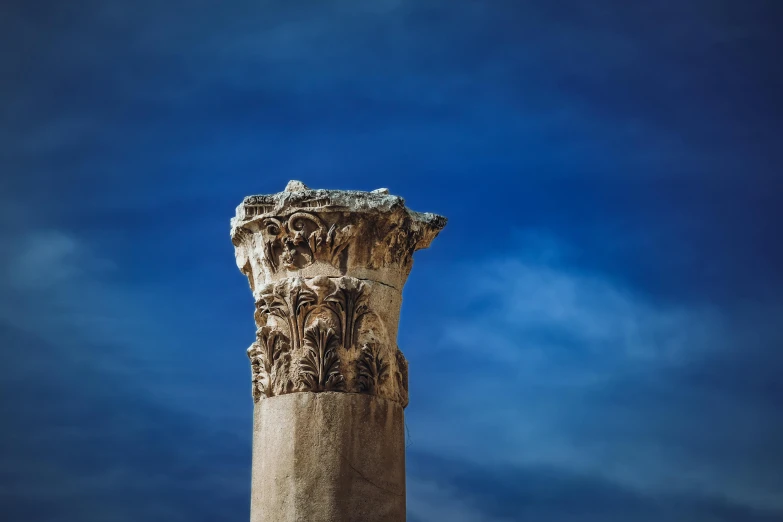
(326, 268)
(307, 233)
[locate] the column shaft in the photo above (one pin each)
(336, 457)
(329, 383)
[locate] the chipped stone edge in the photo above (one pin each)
(298, 197)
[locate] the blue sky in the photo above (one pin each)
(595, 336)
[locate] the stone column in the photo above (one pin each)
(329, 383)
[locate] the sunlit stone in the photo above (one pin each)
(326, 269)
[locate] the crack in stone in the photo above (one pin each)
(363, 477)
(378, 282)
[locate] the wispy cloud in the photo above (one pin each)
(543, 314)
(562, 367)
(45, 259)
(430, 500)
(131, 130)
(63, 289)
(446, 488)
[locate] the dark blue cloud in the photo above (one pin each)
(595, 332)
(507, 493)
(82, 445)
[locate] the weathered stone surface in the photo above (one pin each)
(368, 235)
(328, 334)
(328, 457)
(326, 269)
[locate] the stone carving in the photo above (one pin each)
(372, 369)
(294, 300)
(326, 269)
(290, 300)
(269, 360)
(395, 248)
(348, 303)
(343, 230)
(319, 369)
(315, 319)
(299, 240)
(402, 377)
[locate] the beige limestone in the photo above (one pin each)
(329, 383)
(328, 456)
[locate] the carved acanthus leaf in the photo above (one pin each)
(269, 359)
(291, 301)
(319, 369)
(294, 300)
(337, 240)
(371, 369)
(302, 238)
(402, 377)
(349, 303)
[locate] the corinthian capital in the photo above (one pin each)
(326, 268)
